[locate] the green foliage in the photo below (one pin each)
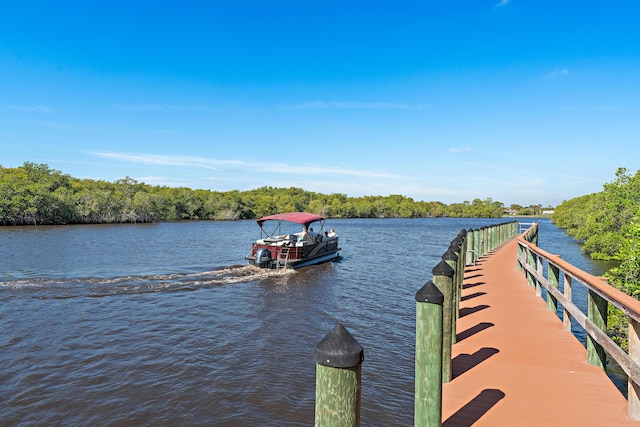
(477, 208)
(626, 276)
(618, 327)
(36, 194)
(608, 223)
(598, 219)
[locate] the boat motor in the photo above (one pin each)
(263, 257)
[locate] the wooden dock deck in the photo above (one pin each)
(514, 365)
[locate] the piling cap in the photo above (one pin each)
(443, 269)
(429, 293)
(462, 232)
(339, 349)
(450, 255)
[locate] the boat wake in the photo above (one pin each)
(126, 285)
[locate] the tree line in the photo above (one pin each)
(36, 194)
(608, 224)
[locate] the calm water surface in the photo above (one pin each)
(164, 324)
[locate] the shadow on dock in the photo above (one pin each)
(476, 408)
(465, 362)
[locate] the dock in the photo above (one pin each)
(513, 363)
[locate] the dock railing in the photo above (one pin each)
(339, 356)
(533, 262)
(437, 312)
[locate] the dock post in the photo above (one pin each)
(531, 262)
(470, 255)
(493, 233)
(429, 336)
(462, 256)
(597, 308)
(633, 400)
(539, 269)
(534, 234)
(443, 280)
(464, 242)
(568, 294)
(338, 379)
(487, 239)
(553, 274)
(451, 258)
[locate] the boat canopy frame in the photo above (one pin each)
(303, 218)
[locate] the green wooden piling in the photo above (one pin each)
(597, 308)
(457, 246)
(338, 379)
(539, 269)
(463, 246)
(534, 234)
(470, 256)
(494, 236)
(443, 280)
(633, 399)
(487, 231)
(451, 258)
(553, 274)
(428, 370)
(485, 240)
(462, 236)
(531, 262)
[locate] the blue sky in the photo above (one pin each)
(527, 102)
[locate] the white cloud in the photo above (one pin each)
(459, 150)
(320, 105)
(495, 181)
(30, 108)
(558, 73)
(611, 108)
(46, 124)
(502, 3)
(142, 108)
(217, 164)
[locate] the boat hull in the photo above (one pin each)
(313, 261)
(294, 263)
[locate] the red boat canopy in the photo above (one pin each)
(303, 218)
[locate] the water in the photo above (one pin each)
(164, 324)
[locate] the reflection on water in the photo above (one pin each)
(163, 324)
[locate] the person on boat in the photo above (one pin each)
(306, 236)
(312, 233)
(332, 233)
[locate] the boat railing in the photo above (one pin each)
(284, 253)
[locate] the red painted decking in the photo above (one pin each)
(513, 365)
